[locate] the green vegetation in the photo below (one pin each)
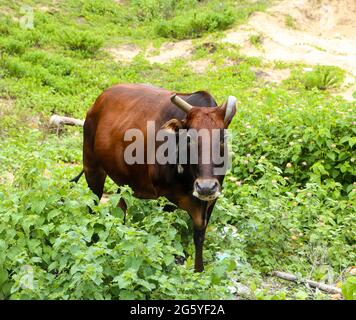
(320, 77)
(288, 202)
(349, 288)
(216, 15)
(256, 39)
(290, 22)
(194, 24)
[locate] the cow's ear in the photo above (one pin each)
(173, 125)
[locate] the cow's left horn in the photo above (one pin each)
(229, 107)
(180, 103)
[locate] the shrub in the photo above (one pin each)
(84, 42)
(290, 22)
(148, 10)
(76, 255)
(194, 24)
(349, 288)
(321, 77)
(14, 66)
(256, 39)
(5, 25)
(12, 46)
(100, 7)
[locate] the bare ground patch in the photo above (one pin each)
(105, 198)
(6, 106)
(170, 51)
(200, 66)
(124, 53)
(166, 53)
(272, 75)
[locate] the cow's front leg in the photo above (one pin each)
(199, 236)
(200, 224)
(200, 212)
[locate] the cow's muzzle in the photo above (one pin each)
(206, 189)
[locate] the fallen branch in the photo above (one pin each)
(58, 121)
(322, 286)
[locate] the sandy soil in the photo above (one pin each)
(324, 33)
(6, 106)
(124, 53)
(272, 75)
(200, 66)
(170, 51)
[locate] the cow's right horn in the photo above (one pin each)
(180, 103)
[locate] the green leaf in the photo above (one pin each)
(3, 276)
(349, 288)
(127, 295)
(38, 206)
(352, 141)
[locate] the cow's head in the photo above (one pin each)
(205, 128)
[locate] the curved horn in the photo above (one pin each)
(180, 103)
(229, 106)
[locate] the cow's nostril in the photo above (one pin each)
(199, 187)
(206, 186)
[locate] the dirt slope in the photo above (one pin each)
(323, 32)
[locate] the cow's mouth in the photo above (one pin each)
(206, 197)
(206, 189)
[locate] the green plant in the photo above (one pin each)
(148, 10)
(194, 24)
(290, 22)
(320, 77)
(349, 288)
(256, 39)
(84, 42)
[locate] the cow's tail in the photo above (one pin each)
(76, 178)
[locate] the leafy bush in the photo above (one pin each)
(100, 7)
(12, 46)
(306, 143)
(321, 77)
(48, 235)
(14, 67)
(349, 288)
(290, 22)
(84, 42)
(148, 10)
(5, 23)
(256, 39)
(194, 24)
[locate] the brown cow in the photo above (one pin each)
(192, 187)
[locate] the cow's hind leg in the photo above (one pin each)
(122, 204)
(95, 177)
(94, 173)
